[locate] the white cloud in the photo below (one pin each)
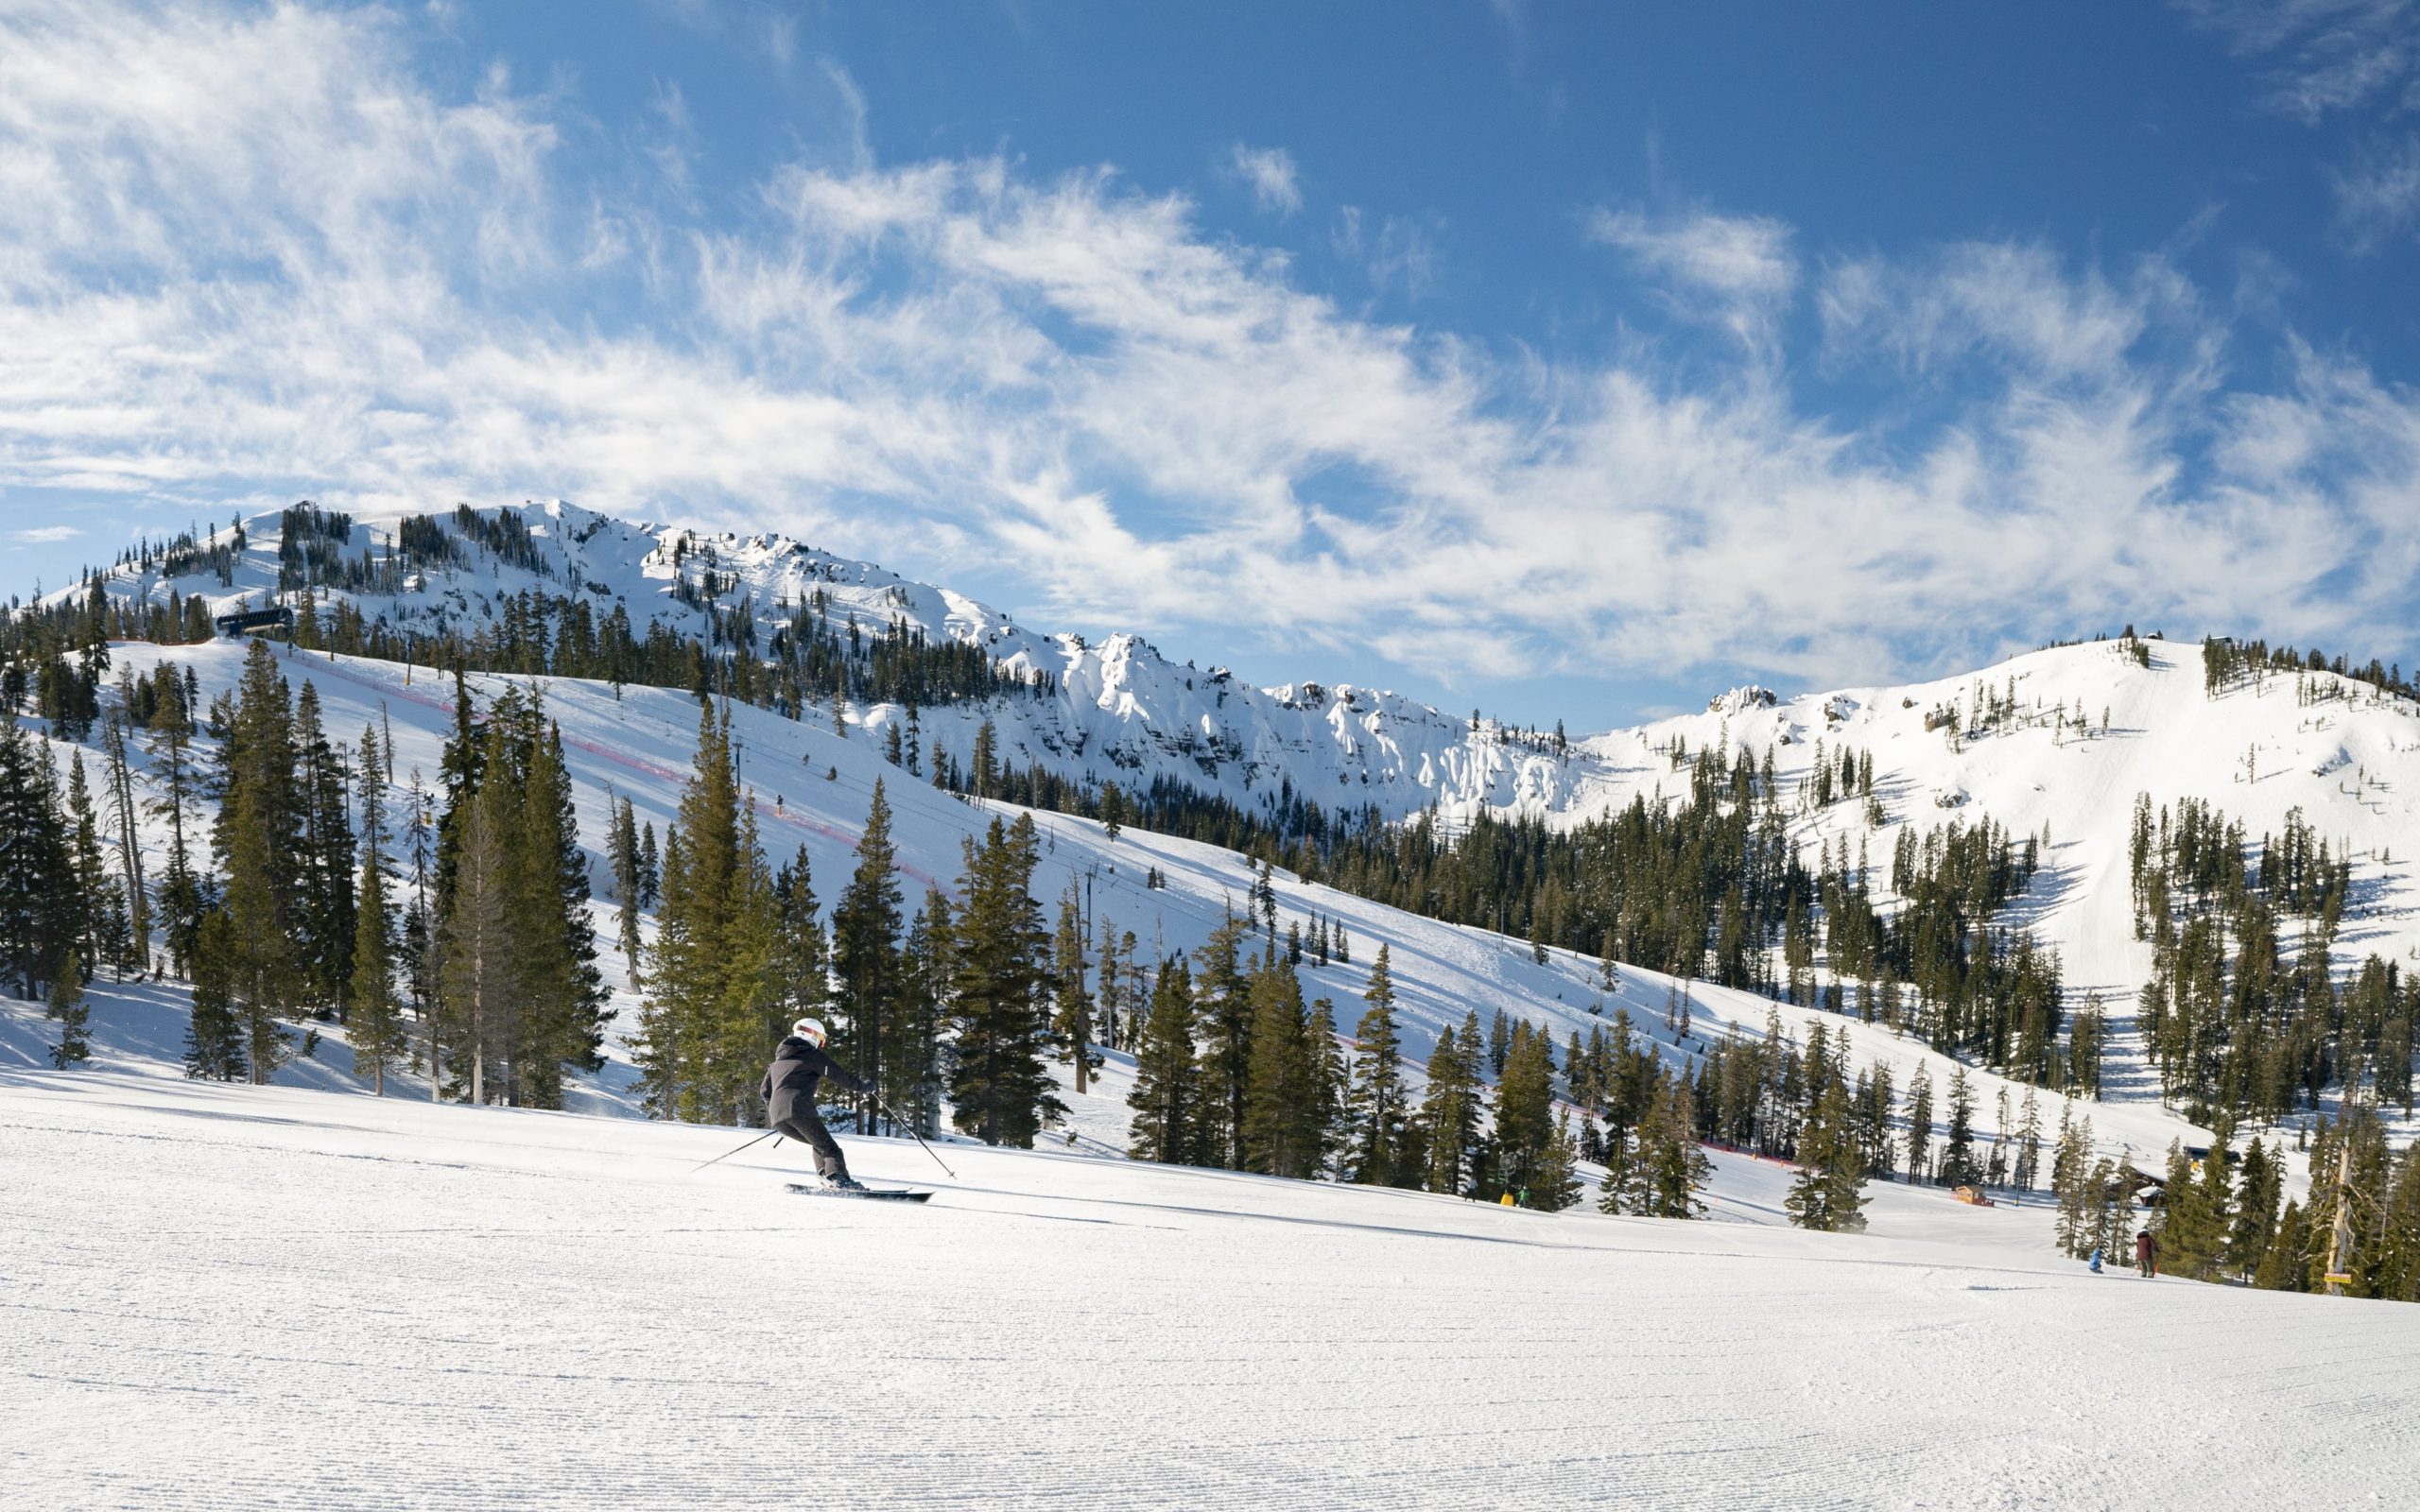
(343, 289)
(2378, 195)
(46, 535)
(1740, 268)
(1269, 173)
(2328, 56)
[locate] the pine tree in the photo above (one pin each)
(1000, 1090)
(562, 993)
(322, 872)
(1165, 1096)
(1523, 1111)
(2255, 1215)
(1619, 1187)
(215, 1032)
(911, 1084)
(1828, 1192)
(1671, 1168)
(136, 901)
(258, 837)
(376, 1019)
(476, 973)
(1329, 1084)
(700, 961)
(1281, 1131)
(622, 852)
(1958, 1144)
(1071, 1020)
(1375, 1105)
(1555, 1183)
(100, 930)
(74, 1014)
(1222, 1000)
(182, 892)
(37, 867)
(865, 947)
(1449, 1111)
(2028, 1142)
(1919, 1121)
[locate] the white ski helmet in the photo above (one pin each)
(811, 1029)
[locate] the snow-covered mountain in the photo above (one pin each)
(1121, 711)
(2058, 742)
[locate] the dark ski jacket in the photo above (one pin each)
(789, 1083)
(2146, 1247)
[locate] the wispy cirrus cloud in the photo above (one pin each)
(369, 290)
(1269, 173)
(1740, 268)
(2357, 61)
(46, 535)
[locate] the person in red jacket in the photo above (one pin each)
(799, 1068)
(2146, 1253)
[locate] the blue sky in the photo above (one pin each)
(1574, 361)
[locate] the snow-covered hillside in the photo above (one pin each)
(231, 1296)
(2087, 727)
(813, 787)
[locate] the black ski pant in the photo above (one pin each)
(808, 1130)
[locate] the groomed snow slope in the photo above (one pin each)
(225, 1295)
(813, 789)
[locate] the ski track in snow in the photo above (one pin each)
(236, 1296)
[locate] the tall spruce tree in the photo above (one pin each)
(1669, 1169)
(476, 967)
(1375, 1107)
(865, 949)
(74, 1014)
(1523, 1111)
(1000, 1089)
(374, 1019)
(1828, 1193)
(1071, 1018)
(258, 837)
(685, 1053)
(1222, 998)
(215, 1032)
(1449, 1110)
(1282, 1132)
(1165, 1096)
(622, 852)
(1919, 1123)
(183, 892)
(912, 1087)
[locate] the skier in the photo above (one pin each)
(2095, 1260)
(2145, 1254)
(788, 1092)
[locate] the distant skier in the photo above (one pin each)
(2145, 1254)
(2095, 1260)
(798, 1066)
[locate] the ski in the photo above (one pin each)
(869, 1193)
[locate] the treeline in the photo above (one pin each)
(282, 896)
(2228, 663)
(1709, 887)
(2237, 1025)
(2224, 1217)
(952, 1005)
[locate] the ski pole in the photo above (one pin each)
(768, 1134)
(918, 1137)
